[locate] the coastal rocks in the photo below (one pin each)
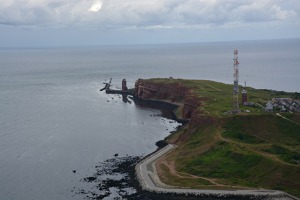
(115, 178)
(161, 143)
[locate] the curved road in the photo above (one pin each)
(148, 178)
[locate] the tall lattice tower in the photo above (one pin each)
(235, 102)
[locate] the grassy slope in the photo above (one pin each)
(256, 150)
(220, 95)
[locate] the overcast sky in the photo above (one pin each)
(101, 22)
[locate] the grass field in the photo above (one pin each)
(220, 95)
(247, 150)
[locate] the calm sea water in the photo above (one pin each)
(54, 119)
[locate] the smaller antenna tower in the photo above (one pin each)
(244, 95)
(236, 83)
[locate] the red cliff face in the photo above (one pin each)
(151, 90)
(177, 93)
(174, 92)
(191, 104)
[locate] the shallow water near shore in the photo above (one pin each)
(48, 134)
(56, 126)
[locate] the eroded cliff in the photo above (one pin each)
(175, 92)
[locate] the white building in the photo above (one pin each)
(269, 106)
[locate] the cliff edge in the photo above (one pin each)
(219, 150)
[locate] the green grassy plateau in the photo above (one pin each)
(247, 150)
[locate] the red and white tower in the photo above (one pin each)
(235, 104)
(244, 95)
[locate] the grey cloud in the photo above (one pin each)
(147, 13)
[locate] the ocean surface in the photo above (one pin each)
(54, 119)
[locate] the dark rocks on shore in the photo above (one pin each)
(90, 179)
(119, 174)
(161, 143)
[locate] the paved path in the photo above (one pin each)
(148, 178)
(279, 115)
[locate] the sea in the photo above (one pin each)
(55, 124)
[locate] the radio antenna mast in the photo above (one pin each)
(235, 102)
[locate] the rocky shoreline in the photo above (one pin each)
(108, 184)
(107, 181)
(116, 178)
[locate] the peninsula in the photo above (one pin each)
(254, 150)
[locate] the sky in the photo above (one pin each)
(35, 23)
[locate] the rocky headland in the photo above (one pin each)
(216, 150)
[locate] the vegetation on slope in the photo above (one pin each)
(247, 150)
